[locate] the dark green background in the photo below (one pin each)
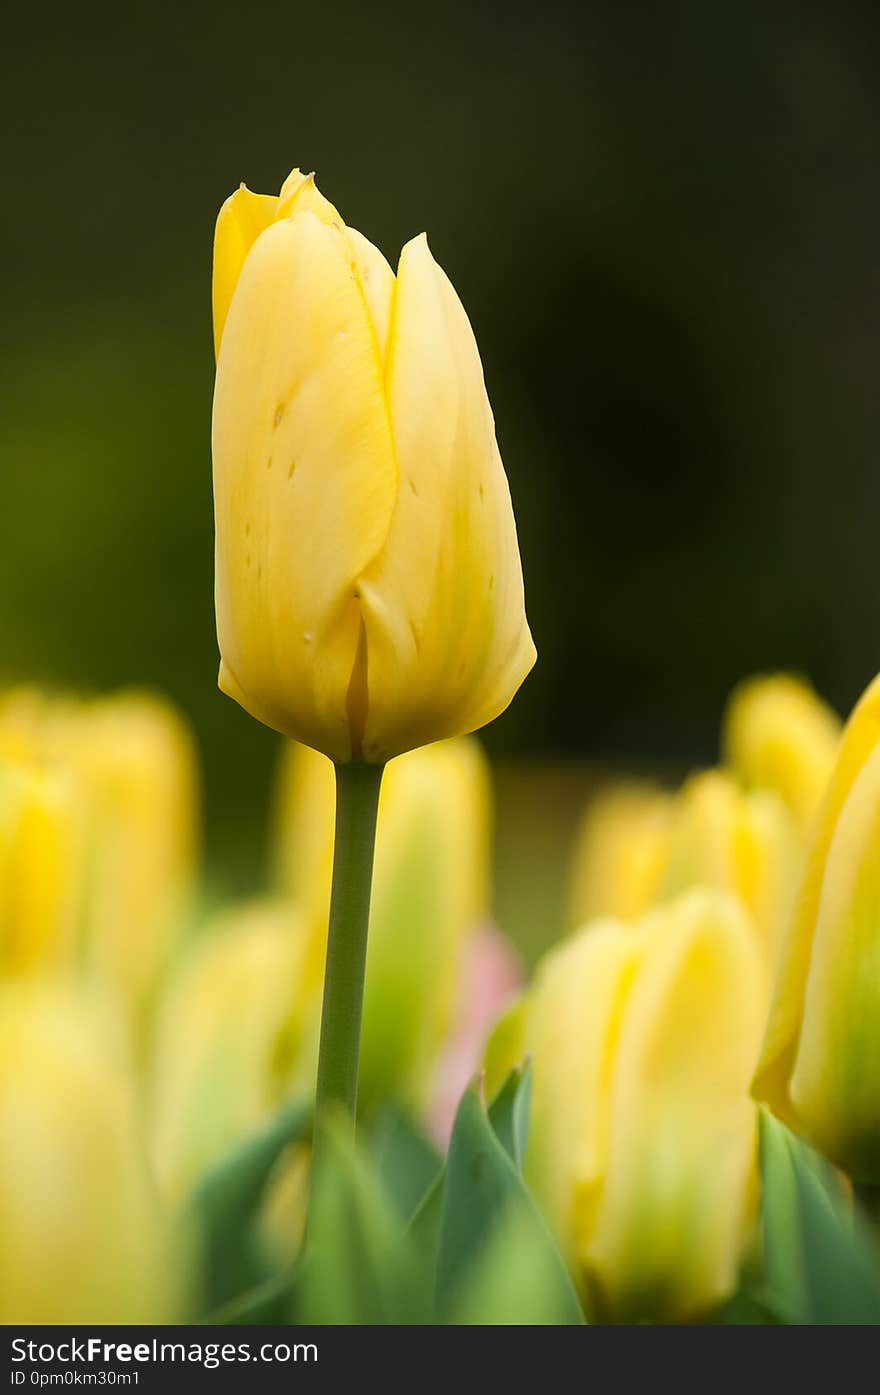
(664, 225)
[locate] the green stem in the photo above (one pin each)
(357, 802)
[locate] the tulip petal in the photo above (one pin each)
(84, 1239)
(835, 1085)
(572, 1023)
(780, 1048)
(778, 735)
(377, 283)
(681, 1135)
(304, 479)
(447, 639)
(300, 194)
(239, 223)
(740, 843)
(620, 853)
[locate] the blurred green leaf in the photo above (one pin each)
(269, 1302)
(406, 1162)
(509, 1116)
(360, 1267)
(515, 1280)
(224, 1207)
(497, 1261)
(745, 1308)
(821, 1264)
(425, 1224)
(509, 1113)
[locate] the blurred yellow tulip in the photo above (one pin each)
(132, 758)
(430, 889)
(640, 846)
(820, 1064)
(82, 1239)
(642, 1149)
(135, 757)
(778, 734)
(369, 591)
(41, 868)
(745, 844)
(229, 1038)
(620, 852)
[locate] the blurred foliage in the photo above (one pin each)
(664, 228)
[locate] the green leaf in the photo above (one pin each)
(224, 1207)
(406, 1162)
(509, 1113)
(745, 1308)
(509, 1117)
(497, 1261)
(821, 1265)
(424, 1226)
(270, 1302)
(360, 1266)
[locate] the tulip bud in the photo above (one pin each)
(820, 1067)
(41, 866)
(228, 1038)
(430, 891)
(83, 1240)
(744, 844)
(135, 757)
(778, 735)
(132, 759)
(369, 592)
(642, 1148)
(620, 853)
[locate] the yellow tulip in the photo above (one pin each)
(430, 889)
(642, 1148)
(135, 756)
(620, 852)
(778, 735)
(132, 758)
(81, 1237)
(744, 844)
(820, 1064)
(369, 592)
(229, 1037)
(41, 868)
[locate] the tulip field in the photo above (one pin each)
(346, 1098)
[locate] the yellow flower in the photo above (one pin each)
(820, 1064)
(228, 1038)
(744, 844)
(369, 591)
(778, 735)
(642, 1149)
(81, 1237)
(430, 889)
(135, 756)
(41, 868)
(620, 852)
(640, 846)
(132, 759)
